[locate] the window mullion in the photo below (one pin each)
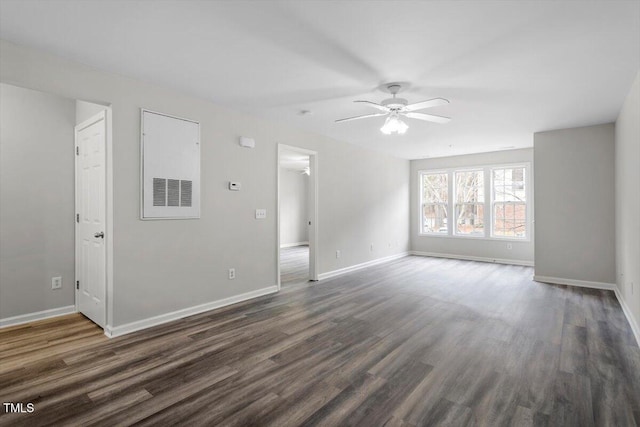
(488, 195)
(422, 202)
(451, 203)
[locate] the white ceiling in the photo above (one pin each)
(509, 68)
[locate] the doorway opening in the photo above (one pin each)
(297, 215)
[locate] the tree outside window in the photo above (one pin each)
(509, 202)
(469, 208)
(435, 199)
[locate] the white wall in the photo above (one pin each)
(37, 200)
(627, 178)
(294, 197)
(575, 207)
(522, 252)
(164, 266)
(85, 110)
(369, 206)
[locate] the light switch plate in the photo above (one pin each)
(261, 213)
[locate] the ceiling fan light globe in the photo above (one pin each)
(385, 130)
(394, 124)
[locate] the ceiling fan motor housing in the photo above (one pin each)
(395, 103)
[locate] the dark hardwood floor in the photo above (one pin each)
(413, 342)
(294, 265)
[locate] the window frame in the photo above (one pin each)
(487, 204)
(453, 173)
(526, 203)
(422, 202)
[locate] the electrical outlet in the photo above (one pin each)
(337, 254)
(509, 246)
(232, 273)
(56, 282)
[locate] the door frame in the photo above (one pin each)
(313, 211)
(107, 115)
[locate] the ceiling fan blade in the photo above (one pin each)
(426, 104)
(428, 117)
(361, 117)
(374, 105)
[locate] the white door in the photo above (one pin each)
(90, 218)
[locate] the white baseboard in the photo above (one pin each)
(290, 245)
(345, 270)
(474, 258)
(629, 315)
(574, 282)
(39, 315)
(116, 331)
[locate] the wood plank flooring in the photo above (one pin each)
(294, 265)
(413, 342)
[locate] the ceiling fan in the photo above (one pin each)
(394, 108)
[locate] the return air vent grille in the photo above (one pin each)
(172, 192)
(159, 192)
(185, 193)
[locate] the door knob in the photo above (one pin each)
(100, 234)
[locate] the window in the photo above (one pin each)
(435, 199)
(488, 202)
(470, 203)
(509, 202)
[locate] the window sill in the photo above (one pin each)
(494, 239)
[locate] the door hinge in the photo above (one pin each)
(77, 151)
(77, 218)
(77, 284)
